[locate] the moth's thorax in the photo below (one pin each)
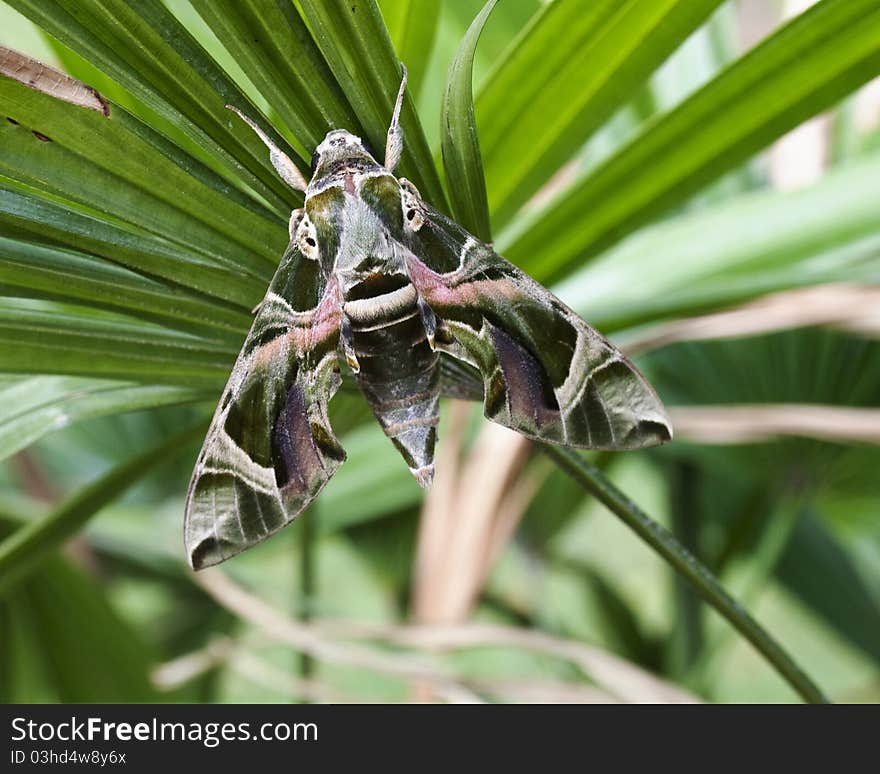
(356, 216)
(339, 161)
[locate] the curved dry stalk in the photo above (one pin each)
(467, 519)
(843, 305)
(620, 679)
(612, 673)
(305, 637)
(308, 639)
(179, 671)
(438, 510)
(236, 656)
(485, 481)
(511, 510)
(41, 77)
(751, 423)
(541, 692)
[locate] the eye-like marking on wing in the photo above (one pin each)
(270, 448)
(546, 373)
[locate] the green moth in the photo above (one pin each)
(378, 279)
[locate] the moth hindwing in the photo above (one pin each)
(378, 279)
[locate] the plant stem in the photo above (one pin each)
(688, 640)
(591, 479)
(307, 583)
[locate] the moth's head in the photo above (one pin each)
(340, 149)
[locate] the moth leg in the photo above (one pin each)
(429, 321)
(288, 171)
(348, 345)
(394, 143)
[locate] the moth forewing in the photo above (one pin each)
(270, 449)
(376, 277)
(546, 373)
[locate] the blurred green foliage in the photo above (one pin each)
(622, 159)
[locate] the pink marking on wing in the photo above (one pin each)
(454, 288)
(322, 322)
(433, 287)
(273, 352)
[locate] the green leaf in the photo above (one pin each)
(272, 44)
(817, 569)
(63, 626)
(412, 25)
(44, 217)
(36, 406)
(119, 166)
(146, 49)
(802, 69)
(44, 342)
(75, 65)
(33, 270)
(826, 233)
(461, 147)
(355, 43)
(21, 552)
(566, 73)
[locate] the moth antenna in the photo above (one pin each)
(394, 143)
(288, 171)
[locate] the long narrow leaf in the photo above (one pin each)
(564, 76)
(118, 165)
(272, 44)
(461, 147)
(21, 552)
(802, 69)
(64, 623)
(38, 271)
(43, 217)
(39, 342)
(413, 25)
(818, 570)
(750, 245)
(32, 407)
(146, 49)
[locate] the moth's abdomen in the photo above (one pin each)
(398, 370)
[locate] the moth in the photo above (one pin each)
(377, 279)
